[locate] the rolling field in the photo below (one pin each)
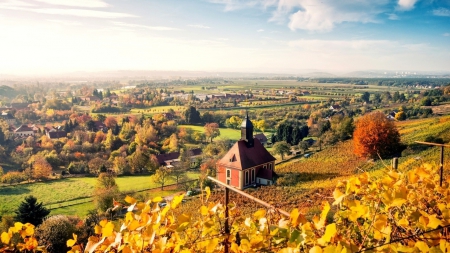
(157, 109)
(57, 192)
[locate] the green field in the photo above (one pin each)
(225, 133)
(157, 109)
(64, 191)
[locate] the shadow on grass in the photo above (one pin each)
(14, 190)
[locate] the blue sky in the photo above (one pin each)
(276, 36)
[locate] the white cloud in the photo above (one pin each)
(154, 28)
(12, 4)
(260, 30)
(77, 3)
(406, 4)
(314, 15)
(443, 12)
(393, 16)
(200, 26)
(446, 34)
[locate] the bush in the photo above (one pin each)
(56, 230)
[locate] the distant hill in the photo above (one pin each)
(8, 91)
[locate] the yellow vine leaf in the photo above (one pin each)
(212, 245)
(323, 216)
(297, 218)
(157, 199)
(422, 246)
(72, 242)
(433, 222)
(98, 229)
(330, 232)
(5, 238)
(176, 201)
(130, 200)
(208, 192)
(259, 214)
(316, 249)
(108, 229)
(338, 196)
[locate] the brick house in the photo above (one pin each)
(247, 162)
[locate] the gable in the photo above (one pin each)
(242, 157)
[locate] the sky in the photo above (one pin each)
(264, 36)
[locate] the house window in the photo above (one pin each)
(264, 166)
(246, 178)
(228, 173)
(253, 175)
(228, 181)
(270, 166)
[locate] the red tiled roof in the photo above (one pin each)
(261, 137)
(56, 135)
(23, 128)
(242, 157)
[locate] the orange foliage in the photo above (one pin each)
(110, 122)
(375, 134)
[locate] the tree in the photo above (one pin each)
(161, 176)
(120, 166)
(191, 115)
(375, 134)
(31, 211)
(106, 190)
(281, 148)
(41, 168)
(365, 97)
(212, 130)
(303, 145)
(95, 165)
(400, 115)
(90, 125)
(233, 122)
(110, 122)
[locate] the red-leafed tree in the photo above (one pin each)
(375, 135)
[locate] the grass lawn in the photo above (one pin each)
(65, 190)
(225, 133)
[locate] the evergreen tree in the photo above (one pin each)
(31, 211)
(116, 130)
(66, 127)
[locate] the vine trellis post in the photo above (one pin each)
(227, 200)
(441, 165)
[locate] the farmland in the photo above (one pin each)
(69, 190)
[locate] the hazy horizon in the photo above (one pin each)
(54, 37)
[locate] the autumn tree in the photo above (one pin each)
(162, 176)
(233, 122)
(375, 135)
(281, 148)
(110, 122)
(41, 168)
(212, 130)
(106, 190)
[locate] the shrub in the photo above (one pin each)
(56, 230)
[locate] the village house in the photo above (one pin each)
(8, 118)
(248, 162)
(335, 107)
(24, 131)
(262, 138)
(171, 159)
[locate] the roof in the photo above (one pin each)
(336, 107)
(242, 157)
(261, 137)
(23, 128)
(56, 135)
(162, 158)
(19, 105)
(7, 116)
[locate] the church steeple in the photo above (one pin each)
(247, 131)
